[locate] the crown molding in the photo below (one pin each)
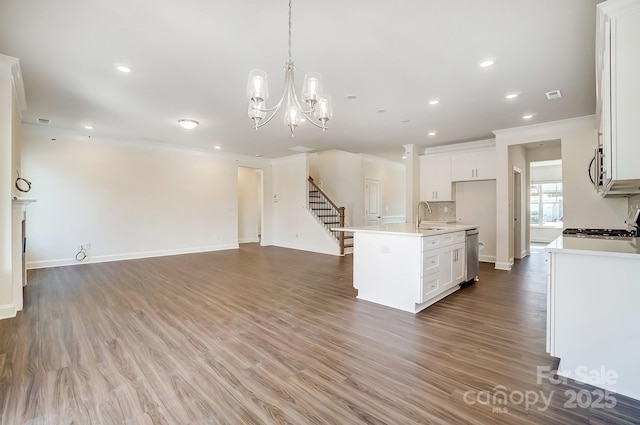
(10, 67)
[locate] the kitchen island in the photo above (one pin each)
(408, 268)
(593, 298)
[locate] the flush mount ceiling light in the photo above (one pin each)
(432, 133)
(318, 104)
(486, 63)
(434, 101)
(511, 95)
(122, 68)
(88, 127)
(527, 116)
(188, 124)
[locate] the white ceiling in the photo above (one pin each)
(191, 59)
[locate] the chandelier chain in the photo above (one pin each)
(289, 30)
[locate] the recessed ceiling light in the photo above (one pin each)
(381, 110)
(351, 96)
(88, 127)
(511, 95)
(487, 62)
(433, 133)
(188, 124)
(257, 155)
(404, 156)
(434, 101)
(527, 116)
(123, 68)
(217, 147)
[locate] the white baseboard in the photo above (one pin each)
(7, 311)
(307, 248)
(248, 240)
(503, 266)
(129, 256)
(487, 258)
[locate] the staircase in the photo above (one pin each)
(329, 215)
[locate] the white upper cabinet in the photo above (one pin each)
(435, 178)
(618, 93)
(474, 165)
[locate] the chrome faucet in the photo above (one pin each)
(418, 211)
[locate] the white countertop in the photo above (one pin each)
(408, 229)
(623, 248)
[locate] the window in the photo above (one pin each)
(546, 204)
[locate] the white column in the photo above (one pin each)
(412, 163)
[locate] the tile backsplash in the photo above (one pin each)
(438, 212)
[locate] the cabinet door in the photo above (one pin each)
(459, 264)
(625, 94)
(430, 286)
(486, 165)
(475, 165)
(463, 167)
(435, 178)
(453, 264)
(446, 267)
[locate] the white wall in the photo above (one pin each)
(127, 200)
(393, 191)
(341, 175)
(545, 173)
(476, 204)
(582, 206)
(294, 225)
(249, 204)
(6, 191)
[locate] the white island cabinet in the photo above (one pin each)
(406, 268)
(593, 311)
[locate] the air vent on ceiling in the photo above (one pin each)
(554, 94)
(43, 121)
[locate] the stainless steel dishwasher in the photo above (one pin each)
(472, 257)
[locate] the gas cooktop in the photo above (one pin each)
(599, 233)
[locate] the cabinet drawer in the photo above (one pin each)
(430, 262)
(452, 238)
(431, 242)
(430, 286)
(459, 237)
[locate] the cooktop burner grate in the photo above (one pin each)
(620, 233)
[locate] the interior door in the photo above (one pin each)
(372, 201)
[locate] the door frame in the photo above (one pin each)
(518, 252)
(377, 182)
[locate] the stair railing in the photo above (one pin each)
(321, 202)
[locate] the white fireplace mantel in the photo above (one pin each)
(21, 201)
(18, 235)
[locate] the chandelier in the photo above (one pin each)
(317, 105)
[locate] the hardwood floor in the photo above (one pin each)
(272, 335)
